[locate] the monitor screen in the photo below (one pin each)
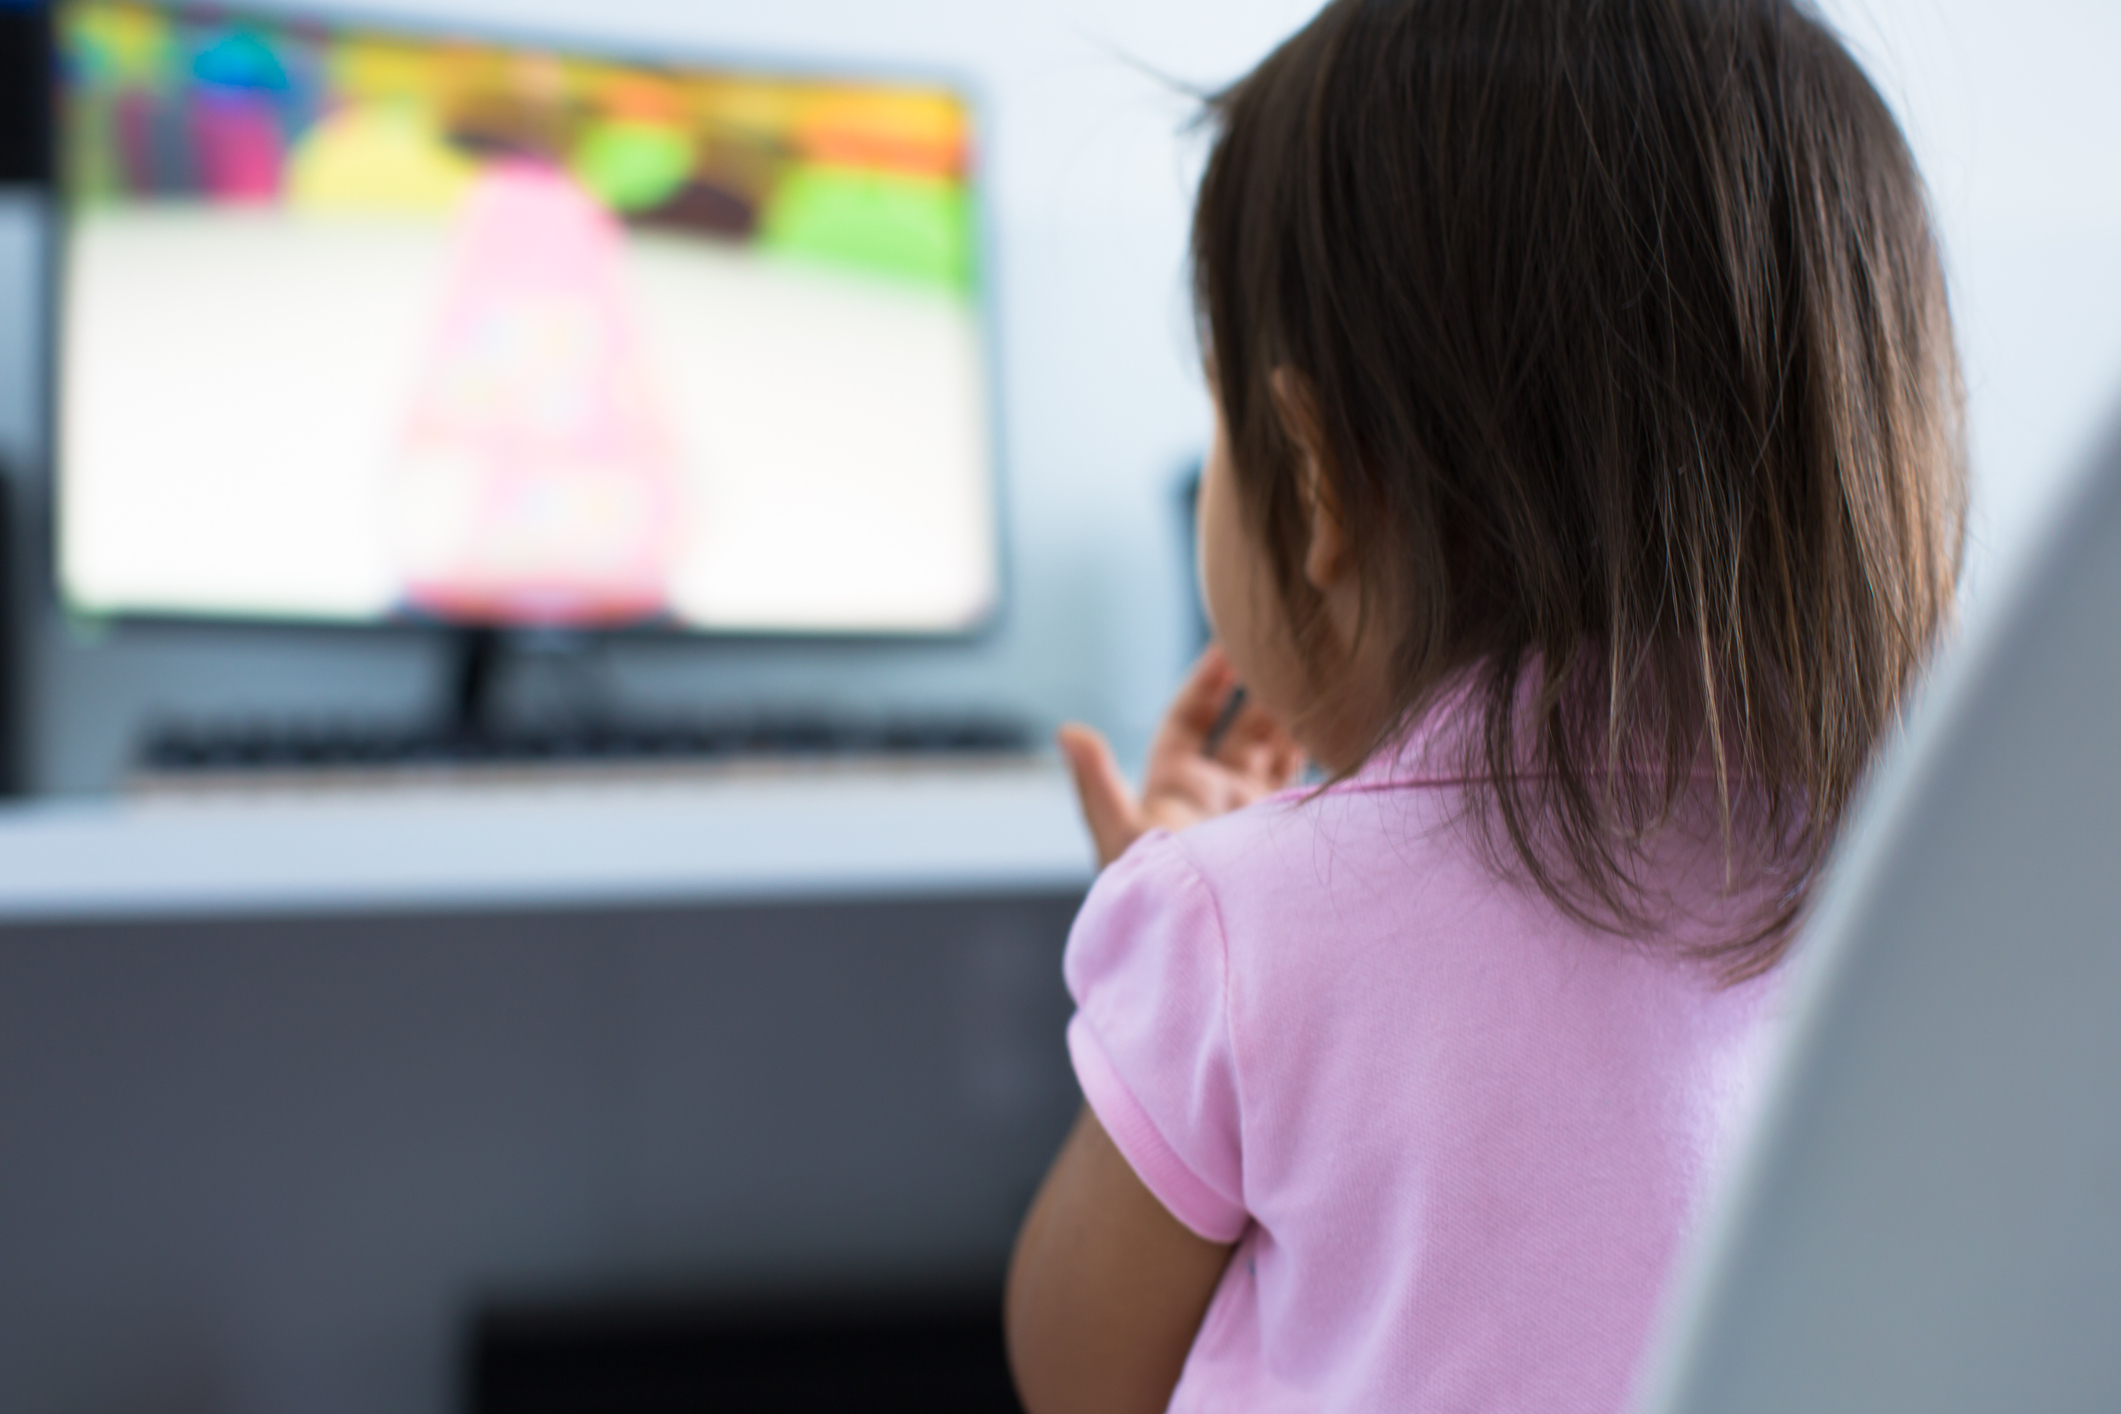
(359, 325)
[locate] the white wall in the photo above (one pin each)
(2011, 107)
(2015, 116)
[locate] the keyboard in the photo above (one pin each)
(323, 748)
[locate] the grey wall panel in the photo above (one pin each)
(272, 1165)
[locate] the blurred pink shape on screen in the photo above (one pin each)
(240, 152)
(535, 483)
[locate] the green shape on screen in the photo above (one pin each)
(903, 226)
(117, 45)
(634, 166)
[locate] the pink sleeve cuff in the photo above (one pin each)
(1161, 1171)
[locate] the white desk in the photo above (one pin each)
(745, 836)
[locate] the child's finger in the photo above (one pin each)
(1109, 806)
(1254, 727)
(1265, 760)
(1199, 702)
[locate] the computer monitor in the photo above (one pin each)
(360, 324)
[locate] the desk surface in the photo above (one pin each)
(751, 836)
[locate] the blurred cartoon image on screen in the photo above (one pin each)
(360, 325)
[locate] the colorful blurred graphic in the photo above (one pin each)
(537, 479)
(174, 105)
(537, 482)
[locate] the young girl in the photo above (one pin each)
(1586, 489)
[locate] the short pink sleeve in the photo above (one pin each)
(1151, 1038)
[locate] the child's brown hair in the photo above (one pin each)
(1625, 334)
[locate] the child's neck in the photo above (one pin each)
(1349, 712)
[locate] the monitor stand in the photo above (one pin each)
(468, 720)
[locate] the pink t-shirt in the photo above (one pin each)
(1457, 1138)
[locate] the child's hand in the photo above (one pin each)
(1253, 757)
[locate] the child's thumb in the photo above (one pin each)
(1109, 807)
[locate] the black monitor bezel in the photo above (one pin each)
(982, 629)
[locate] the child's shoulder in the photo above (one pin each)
(1357, 851)
(1401, 821)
